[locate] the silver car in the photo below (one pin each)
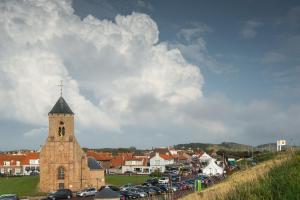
(86, 192)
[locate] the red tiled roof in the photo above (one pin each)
(31, 156)
(23, 158)
(166, 157)
(100, 156)
(120, 159)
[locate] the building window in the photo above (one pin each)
(6, 163)
(61, 173)
(61, 129)
(157, 162)
(18, 163)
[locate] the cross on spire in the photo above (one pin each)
(61, 87)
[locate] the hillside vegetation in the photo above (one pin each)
(227, 146)
(278, 178)
(281, 182)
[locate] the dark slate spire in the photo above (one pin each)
(61, 107)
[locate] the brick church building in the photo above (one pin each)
(63, 164)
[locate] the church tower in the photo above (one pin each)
(63, 164)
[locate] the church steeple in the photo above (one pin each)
(61, 107)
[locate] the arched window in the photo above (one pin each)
(61, 173)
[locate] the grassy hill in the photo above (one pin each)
(278, 178)
(225, 146)
(281, 182)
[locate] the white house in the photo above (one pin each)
(159, 162)
(212, 168)
(137, 165)
(205, 157)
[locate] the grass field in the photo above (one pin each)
(22, 186)
(281, 182)
(28, 185)
(278, 178)
(121, 180)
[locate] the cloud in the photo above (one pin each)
(249, 29)
(124, 85)
(36, 132)
(117, 63)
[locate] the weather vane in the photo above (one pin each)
(61, 87)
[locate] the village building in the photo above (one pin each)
(138, 165)
(63, 164)
(158, 162)
(19, 164)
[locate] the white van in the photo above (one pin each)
(164, 180)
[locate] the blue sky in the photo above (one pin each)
(152, 73)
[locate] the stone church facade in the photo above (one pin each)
(63, 164)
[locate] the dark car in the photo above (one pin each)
(114, 188)
(129, 195)
(9, 197)
(61, 194)
(157, 190)
(163, 187)
(152, 181)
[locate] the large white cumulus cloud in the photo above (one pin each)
(127, 74)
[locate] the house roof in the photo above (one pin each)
(93, 164)
(166, 156)
(100, 156)
(61, 107)
(24, 159)
(120, 158)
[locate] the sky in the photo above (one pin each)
(151, 73)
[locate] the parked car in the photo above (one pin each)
(60, 194)
(140, 192)
(152, 181)
(164, 180)
(126, 186)
(114, 188)
(174, 187)
(128, 195)
(86, 192)
(9, 197)
(163, 187)
(157, 190)
(34, 173)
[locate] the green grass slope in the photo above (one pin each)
(281, 182)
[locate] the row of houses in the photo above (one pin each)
(160, 159)
(19, 163)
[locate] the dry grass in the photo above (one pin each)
(220, 190)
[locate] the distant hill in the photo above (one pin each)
(226, 146)
(268, 147)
